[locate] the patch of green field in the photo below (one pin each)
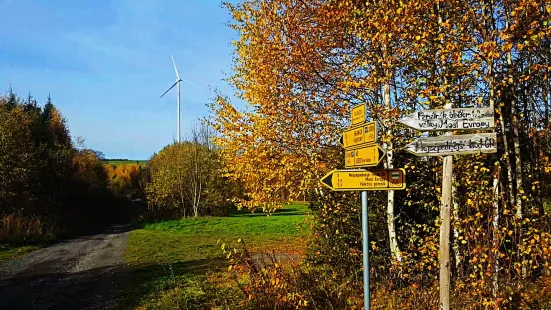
(174, 260)
(8, 252)
(125, 162)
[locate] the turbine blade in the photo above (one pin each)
(190, 83)
(175, 69)
(169, 88)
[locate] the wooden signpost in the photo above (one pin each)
(362, 150)
(451, 119)
(454, 145)
(447, 146)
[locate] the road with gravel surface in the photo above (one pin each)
(81, 273)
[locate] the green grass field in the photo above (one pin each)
(125, 162)
(179, 264)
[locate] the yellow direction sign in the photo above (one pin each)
(358, 114)
(365, 134)
(368, 156)
(365, 180)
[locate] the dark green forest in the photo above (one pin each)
(49, 187)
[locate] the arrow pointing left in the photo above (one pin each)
(365, 180)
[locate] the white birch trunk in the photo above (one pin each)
(455, 214)
(495, 226)
(394, 247)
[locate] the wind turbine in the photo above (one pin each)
(177, 83)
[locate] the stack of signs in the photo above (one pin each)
(362, 150)
(452, 119)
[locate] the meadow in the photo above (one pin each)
(117, 162)
(179, 263)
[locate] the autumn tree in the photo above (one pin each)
(300, 66)
(185, 179)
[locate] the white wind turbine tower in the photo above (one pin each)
(177, 83)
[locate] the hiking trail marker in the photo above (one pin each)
(361, 150)
(358, 115)
(365, 180)
(367, 156)
(356, 136)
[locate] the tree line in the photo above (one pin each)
(52, 186)
(48, 185)
(301, 65)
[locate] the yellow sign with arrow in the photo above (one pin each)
(368, 156)
(365, 180)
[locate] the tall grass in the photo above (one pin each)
(16, 228)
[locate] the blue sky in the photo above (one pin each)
(106, 63)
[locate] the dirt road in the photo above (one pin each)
(81, 273)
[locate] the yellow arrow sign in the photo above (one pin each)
(368, 156)
(358, 114)
(365, 134)
(365, 180)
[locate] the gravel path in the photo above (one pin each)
(81, 273)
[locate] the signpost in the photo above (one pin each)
(447, 146)
(454, 145)
(368, 156)
(365, 180)
(362, 150)
(356, 136)
(451, 119)
(358, 114)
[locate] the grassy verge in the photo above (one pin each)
(178, 264)
(8, 252)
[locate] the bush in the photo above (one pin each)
(187, 179)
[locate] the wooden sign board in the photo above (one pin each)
(454, 145)
(365, 180)
(358, 114)
(368, 156)
(365, 134)
(451, 119)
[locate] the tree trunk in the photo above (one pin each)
(516, 139)
(455, 214)
(393, 241)
(496, 234)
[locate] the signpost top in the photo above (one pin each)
(451, 119)
(358, 114)
(457, 113)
